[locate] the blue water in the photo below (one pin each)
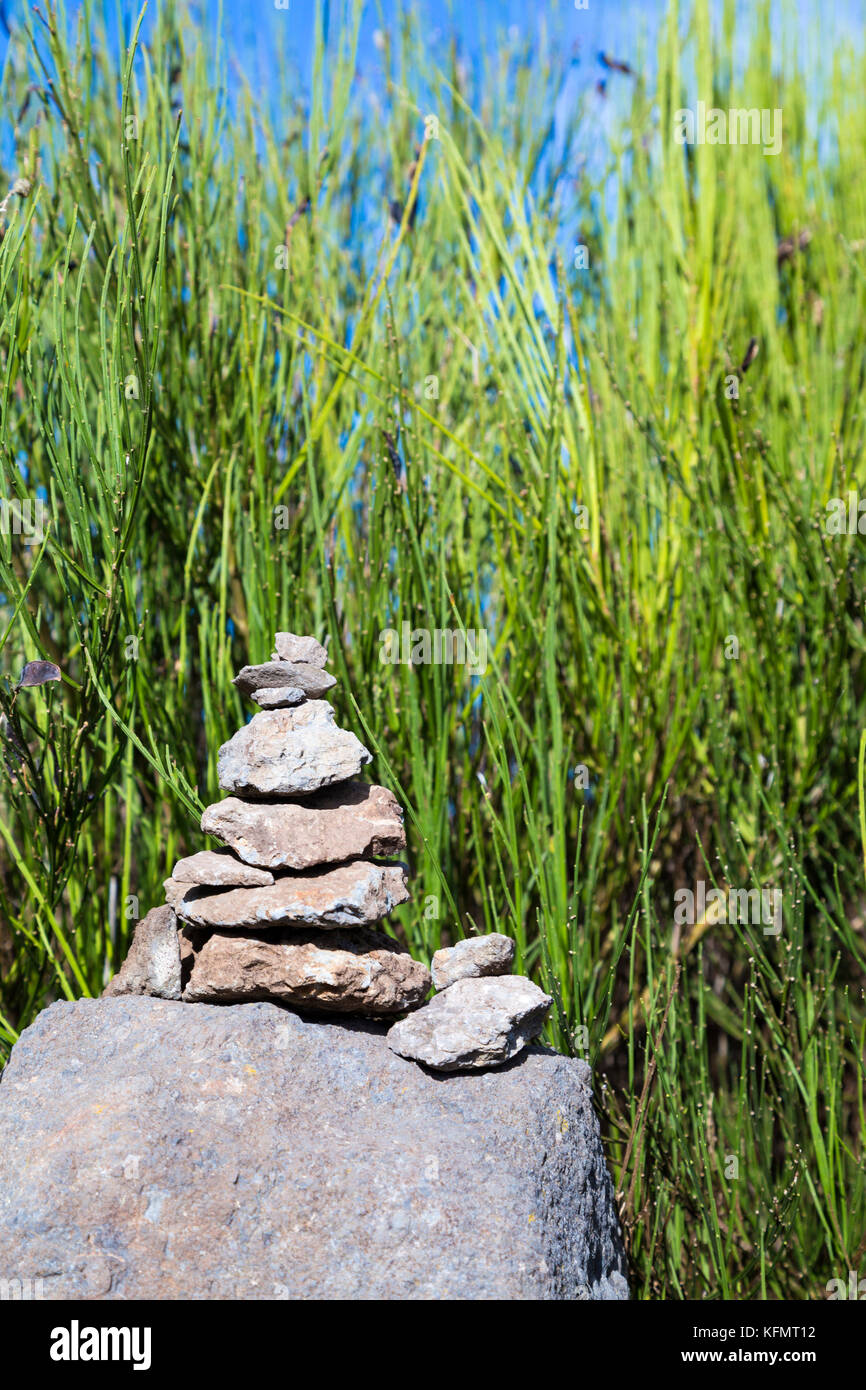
(273, 46)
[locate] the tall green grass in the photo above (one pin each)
(206, 416)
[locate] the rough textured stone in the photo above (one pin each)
(474, 1023)
(358, 971)
(219, 868)
(185, 938)
(352, 895)
(278, 696)
(290, 752)
(300, 675)
(477, 955)
(347, 821)
(289, 647)
(157, 1150)
(174, 891)
(152, 965)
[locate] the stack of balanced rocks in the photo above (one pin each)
(285, 910)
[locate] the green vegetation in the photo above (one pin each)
(206, 414)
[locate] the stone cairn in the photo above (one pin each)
(286, 909)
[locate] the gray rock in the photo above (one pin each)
(474, 1023)
(158, 1150)
(289, 647)
(346, 821)
(290, 752)
(277, 696)
(358, 971)
(152, 965)
(492, 954)
(219, 868)
(352, 895)
(301, 675)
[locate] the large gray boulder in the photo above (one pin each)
(152, 1149)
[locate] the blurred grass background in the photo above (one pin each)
(253, 395)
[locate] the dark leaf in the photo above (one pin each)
(751, 354)
(38, 673)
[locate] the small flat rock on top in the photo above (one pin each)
(219, 868)
(492, 954)
(290, 752)
(347, 821)
(353, 895)
(300, 675)
(289, 647)
(152, 965)
(474, 1023)
(359, 971)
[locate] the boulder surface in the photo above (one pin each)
(153, 1149)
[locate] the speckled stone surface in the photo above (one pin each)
(475, 1023)
(289, 752)
(475, 956)
(152, 965)
(300, 675)
(153, 1149)
(355, 894)
(357, 971)
(345, 821)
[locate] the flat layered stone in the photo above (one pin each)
(290, 752)
(174, 891)
(278, 696)
(338, 971)
(492, 954)
(353, 895)
(219, 868)
(474, 1023)
(152, 964)
(302, 675)
(289, 647)
(347, 821)
(156, 1149)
